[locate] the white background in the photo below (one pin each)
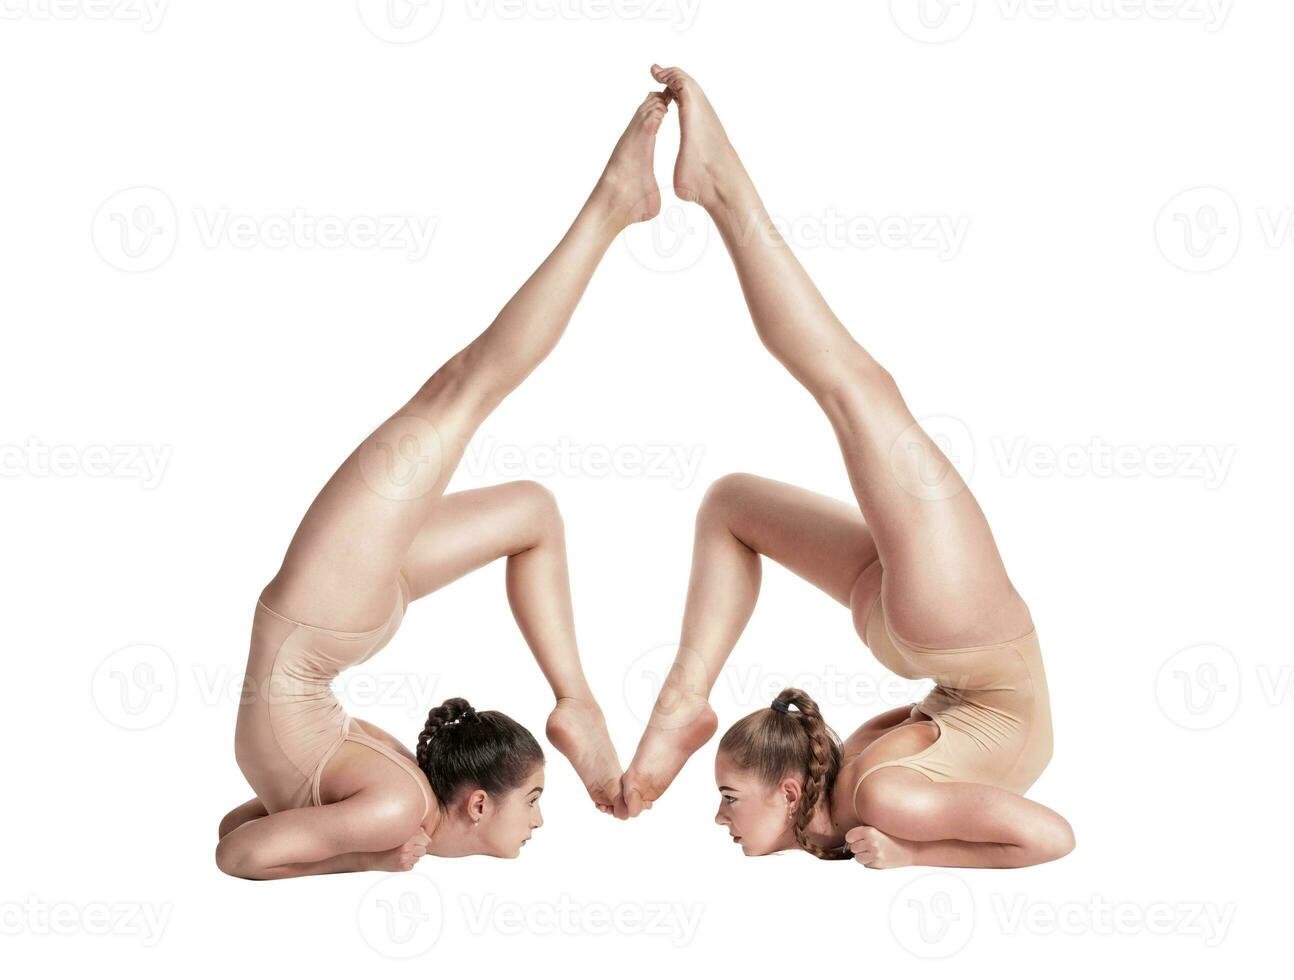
(1107, 357)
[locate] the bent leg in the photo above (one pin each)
(520, 522)
(239, 815)
(350, 835)
(742, 517)
(341, 563)
(944, 582)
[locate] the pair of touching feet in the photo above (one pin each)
(679, 725)
(707, 172)
(707, 166)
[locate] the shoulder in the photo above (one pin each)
(893, 796)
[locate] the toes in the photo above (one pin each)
(674, 78)
(654, 107)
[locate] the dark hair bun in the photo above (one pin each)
(460, 747)
(453, 712)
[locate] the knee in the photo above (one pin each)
(724, 497)
(540, 503)
(233, 859)
(230, 820)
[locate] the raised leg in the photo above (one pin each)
(944, 583)
(742, 517)
(340, 564)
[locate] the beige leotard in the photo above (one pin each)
(989, 702)
(289, 721)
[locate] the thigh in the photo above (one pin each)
(822, 540)
(341, 563)
(253, 809)
(944, 582)
(463, 531)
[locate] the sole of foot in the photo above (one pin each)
(578, 730)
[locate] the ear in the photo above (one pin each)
(790, 790)
(477, 804)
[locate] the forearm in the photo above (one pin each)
(359, 861)
(966, 854)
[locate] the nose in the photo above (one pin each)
(720, 819)
(538, 821)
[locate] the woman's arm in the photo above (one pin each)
(907, 819)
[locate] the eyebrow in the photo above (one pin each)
(730, 789)
(536, 789)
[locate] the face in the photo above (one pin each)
(757, 816)
(508, 821)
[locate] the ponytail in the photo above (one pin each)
(776, 740)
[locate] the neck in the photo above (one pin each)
(451, 837)
(823, 831)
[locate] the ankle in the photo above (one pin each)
(577, 695)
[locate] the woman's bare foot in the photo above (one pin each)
(707, 164)
(578, 731)
(628, 185)
(404, 857)
(678, 727)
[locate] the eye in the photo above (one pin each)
(728, 799)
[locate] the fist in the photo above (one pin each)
(410, 852)
(873, 849)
